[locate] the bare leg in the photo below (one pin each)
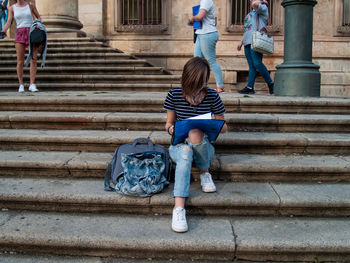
(20, 51)
(180, 201)
(33, 64)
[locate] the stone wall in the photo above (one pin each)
(91, 16)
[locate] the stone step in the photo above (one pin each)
(238, 199)
(156, 121)
(51, 44)
(209, 238)
(57, 40)
(81, 70)
(130, 100)
(85, 62)
(81, 90)
(12, 257)
(229, 143)
(94, 78)
(68, 56)
(64, 49)
(226, 167)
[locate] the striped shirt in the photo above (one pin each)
(175, 102)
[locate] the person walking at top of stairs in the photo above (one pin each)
(23, 13)
(206, 39)
(258, 17)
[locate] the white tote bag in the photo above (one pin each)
(262, 42)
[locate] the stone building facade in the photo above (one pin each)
(169, 41)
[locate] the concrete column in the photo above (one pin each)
(298, 76)
(60, 17)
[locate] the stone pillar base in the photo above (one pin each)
(63, 26)
(60, 18)
(302, 80)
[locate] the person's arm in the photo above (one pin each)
(9, 20)
(35, 11)
(239, 47)
(170, 120)
(200, 16)
(221, 117)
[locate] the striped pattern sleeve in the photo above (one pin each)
(218, 107)
(169, 101)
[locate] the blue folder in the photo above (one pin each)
(211, 128)
(195, 11)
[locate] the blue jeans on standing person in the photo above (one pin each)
(183, 155)
(206, 47)
(2, 20)
(255, 65)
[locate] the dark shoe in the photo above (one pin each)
(271, 86)
(247, 90)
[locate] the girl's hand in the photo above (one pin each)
(239, 47)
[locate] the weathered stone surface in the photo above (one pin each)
(122, 235)
(299, 239)
(284, 167)
(16, 258)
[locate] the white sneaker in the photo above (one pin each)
(179, 223)
(21, 88)
(207, 183)
(33, 88)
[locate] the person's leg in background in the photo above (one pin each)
(197, 49)
(207, 46)
(2, 22)
(20, 51)
(33, 69)
(249, 89)
(261, 68)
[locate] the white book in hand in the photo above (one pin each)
(206, 116)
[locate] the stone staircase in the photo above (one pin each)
(282, 171)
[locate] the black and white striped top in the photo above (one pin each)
(175, 102)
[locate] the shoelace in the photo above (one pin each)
(180, 215)
(206, 178)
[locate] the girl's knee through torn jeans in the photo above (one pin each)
(183, 155)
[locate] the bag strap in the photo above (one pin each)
(138, 140)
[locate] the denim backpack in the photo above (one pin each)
(140, 168)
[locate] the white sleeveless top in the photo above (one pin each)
(23, 16)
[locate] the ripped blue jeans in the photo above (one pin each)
(183, 155)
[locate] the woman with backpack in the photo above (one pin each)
(193, 98)
(23, 13)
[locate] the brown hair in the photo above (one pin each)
(194, 80)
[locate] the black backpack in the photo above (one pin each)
(138, 151)
(37, 36)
